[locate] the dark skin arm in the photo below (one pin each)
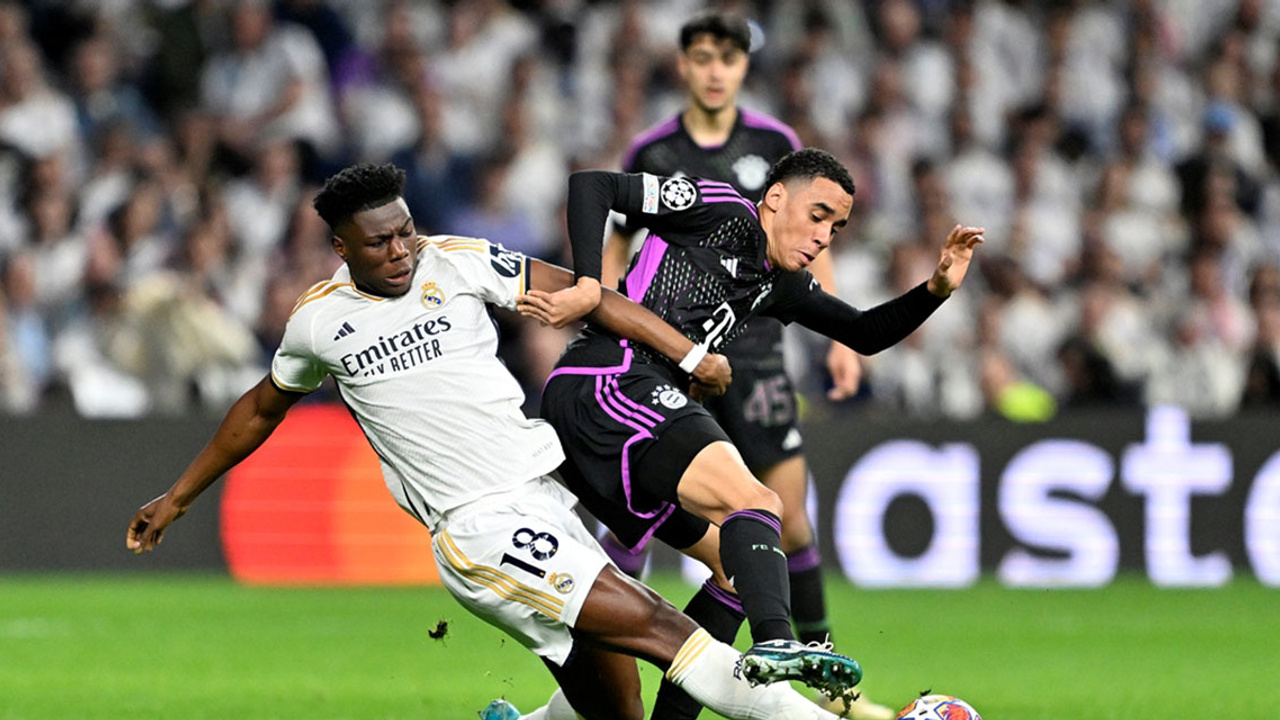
(622, 317)
(247, 425)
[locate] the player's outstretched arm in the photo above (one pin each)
(886, 324)
(626, 319)
(247, 425)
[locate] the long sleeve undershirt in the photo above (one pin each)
(865, 331)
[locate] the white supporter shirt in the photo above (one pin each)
(421, 374)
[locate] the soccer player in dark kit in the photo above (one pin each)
(714, 139)
(645, 459)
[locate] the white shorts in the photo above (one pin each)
(523, 562)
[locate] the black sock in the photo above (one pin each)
(750, 552)
(719, 612)
(808, 608)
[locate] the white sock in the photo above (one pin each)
(707, 670)
(557, 708)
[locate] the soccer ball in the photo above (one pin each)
(938, 707)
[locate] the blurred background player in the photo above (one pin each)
(715, 139)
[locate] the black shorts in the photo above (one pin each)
(628, 439)
(759, 414)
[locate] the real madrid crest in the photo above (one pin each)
(432, 296)
(562, 582)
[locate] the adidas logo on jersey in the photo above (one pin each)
(344, 331)
(730, 264)
(793, 440)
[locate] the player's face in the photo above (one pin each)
(807, 216)
(713, 71)
(380, 247)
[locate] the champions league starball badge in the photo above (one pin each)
(678, 193)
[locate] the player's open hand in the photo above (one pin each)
(957, 251)
(562, 307)
(712, 376)
(146, 529)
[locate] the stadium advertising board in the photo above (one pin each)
(897, 503)
(1063, 504)
(310, 507)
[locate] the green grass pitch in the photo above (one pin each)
(194, 646)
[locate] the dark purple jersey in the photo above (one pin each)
(756, 142)
(702, 267)
(704, 270)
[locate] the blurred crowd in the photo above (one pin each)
(158, 157)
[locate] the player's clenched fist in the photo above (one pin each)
(713, 375)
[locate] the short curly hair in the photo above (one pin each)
(809, 164)
(357, 188)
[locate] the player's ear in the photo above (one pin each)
(338, 247)
(774, 195)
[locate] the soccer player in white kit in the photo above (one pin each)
(404, 330)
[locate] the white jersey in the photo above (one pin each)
(421, 374)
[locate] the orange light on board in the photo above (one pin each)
(310, 507)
